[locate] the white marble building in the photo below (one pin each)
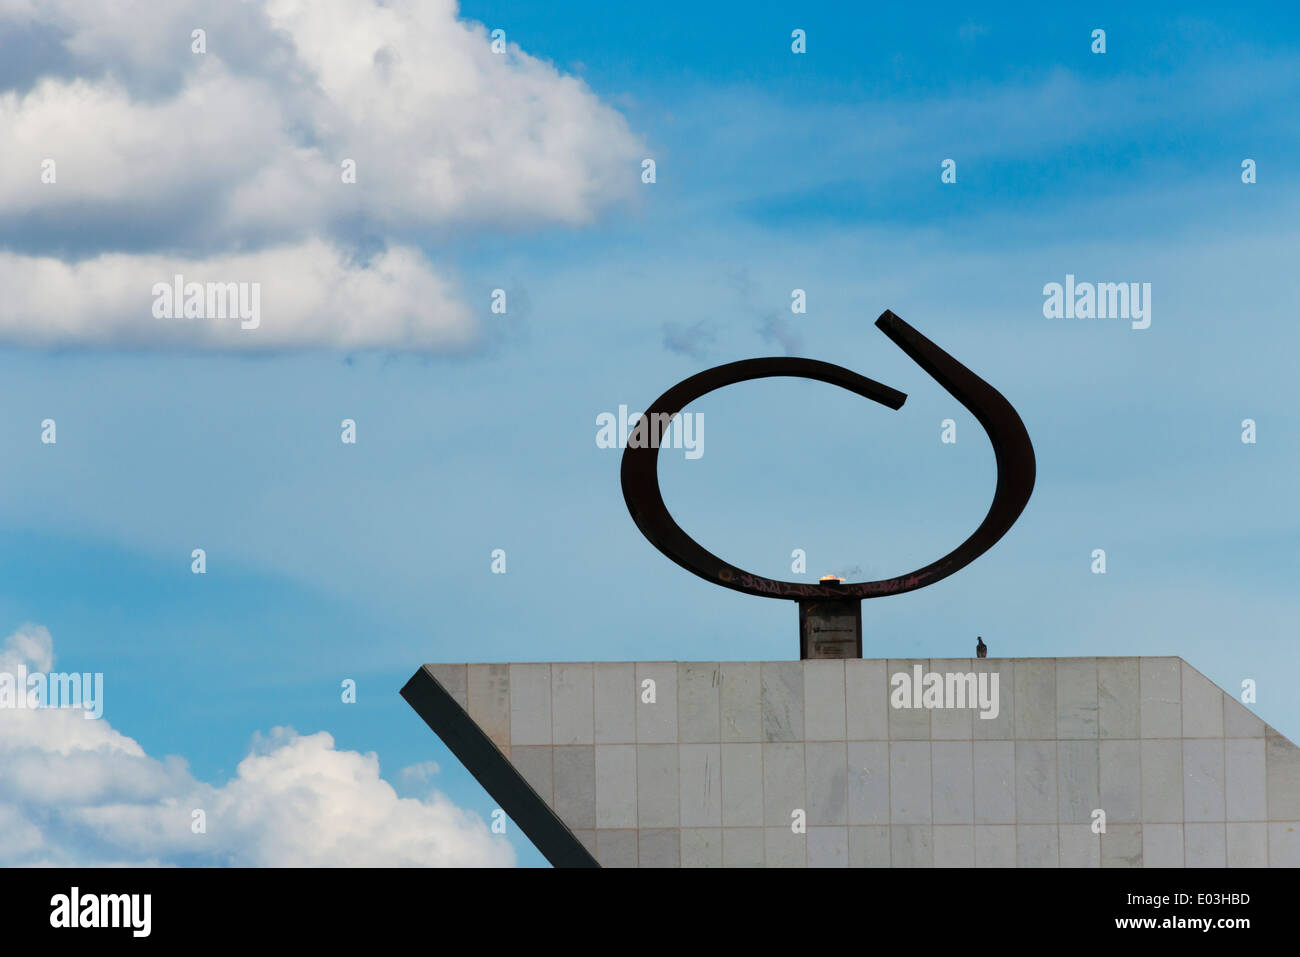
(809, 763)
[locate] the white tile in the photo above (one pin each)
(1161, 689)
(1162, 845)
(530, 704)
(656, 716)
(572, 704)
(823, 697)
(700, 782)
(615, 703)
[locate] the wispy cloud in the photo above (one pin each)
(694, 340)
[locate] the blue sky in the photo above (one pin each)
(775, 171)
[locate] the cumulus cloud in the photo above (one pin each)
(79, 793)
(157, 149)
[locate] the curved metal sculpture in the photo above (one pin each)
(1011, 448)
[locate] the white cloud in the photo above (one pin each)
(79, 793)
(310, 295)
(420, 773)
(159, 149)
(442, 129)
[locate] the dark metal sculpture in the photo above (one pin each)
(830, 615)
(1011, 448)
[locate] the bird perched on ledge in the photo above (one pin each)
(981, 649)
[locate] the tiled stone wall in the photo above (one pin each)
(711, 772)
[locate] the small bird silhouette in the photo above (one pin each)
(981, 649)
